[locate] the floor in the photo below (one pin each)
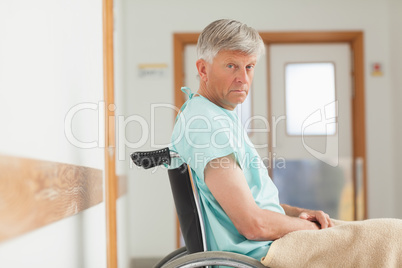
(143, 262)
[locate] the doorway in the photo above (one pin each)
(311, 130)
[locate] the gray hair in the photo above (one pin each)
(228, 34)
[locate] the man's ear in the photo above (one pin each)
(202, 69)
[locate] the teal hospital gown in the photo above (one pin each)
(203, 132)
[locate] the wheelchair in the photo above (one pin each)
(187, 204)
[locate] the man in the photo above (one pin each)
(239, 201)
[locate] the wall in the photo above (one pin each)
(120, 104)
(51, 61)
(395, 53)
(149, 30)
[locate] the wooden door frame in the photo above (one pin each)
(111, 183)
(356, 41)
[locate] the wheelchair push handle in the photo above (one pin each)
(152, 159)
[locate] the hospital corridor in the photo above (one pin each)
(91, 175)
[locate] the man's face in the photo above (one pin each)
(228, 78)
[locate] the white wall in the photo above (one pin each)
(51, 60)
(123, 258)
(149, 29)
(395, 53)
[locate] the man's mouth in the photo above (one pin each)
(238, 91)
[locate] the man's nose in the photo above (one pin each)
(242, 76)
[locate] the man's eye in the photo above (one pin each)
(249, 67)
(230, 65)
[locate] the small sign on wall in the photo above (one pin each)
(152, 70)
(376, 69)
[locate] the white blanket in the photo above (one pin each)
(369, 243)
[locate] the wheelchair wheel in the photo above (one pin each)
(178, 253)
(214, 258)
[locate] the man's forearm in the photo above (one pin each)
(275, 225)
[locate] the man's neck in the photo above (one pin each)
(203, 91)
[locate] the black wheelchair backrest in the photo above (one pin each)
(185, 199)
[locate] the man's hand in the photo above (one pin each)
(319, 217)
